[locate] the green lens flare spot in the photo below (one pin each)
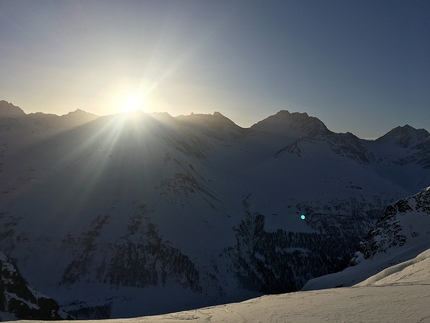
(302, 217)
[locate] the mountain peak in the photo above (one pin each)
(285, 121)
(405, 136)
(216, 120)
(78, 112)
(219, 121)
(9, 110)
(78, 117)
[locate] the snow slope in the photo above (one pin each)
(397, 294)
(411, 272)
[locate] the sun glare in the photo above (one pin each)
(131, 104)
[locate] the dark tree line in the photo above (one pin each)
(283, 261)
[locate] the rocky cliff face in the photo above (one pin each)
(20, 301)
(404, 223)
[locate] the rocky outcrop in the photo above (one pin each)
(405, 222)
(20, 300)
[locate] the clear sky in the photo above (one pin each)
(359, 66)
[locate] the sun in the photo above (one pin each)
(131, 104)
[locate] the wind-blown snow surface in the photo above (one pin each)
(124, 216)
(398, 294)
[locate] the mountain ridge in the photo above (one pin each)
(282, 117)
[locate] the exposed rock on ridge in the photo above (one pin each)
(402, 222)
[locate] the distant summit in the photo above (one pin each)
(405, 136)
(79, 112)
(284, 121)
(215, 120)
(216, 123)
(78, 117)
(8, 110)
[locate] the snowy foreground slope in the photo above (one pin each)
(124, 216)
(398, 294)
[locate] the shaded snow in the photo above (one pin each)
(397, 294)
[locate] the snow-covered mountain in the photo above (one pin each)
(401, 233)
(127, 215)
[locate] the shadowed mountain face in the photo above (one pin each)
(128, 215)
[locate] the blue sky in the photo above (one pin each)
(359, 66)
